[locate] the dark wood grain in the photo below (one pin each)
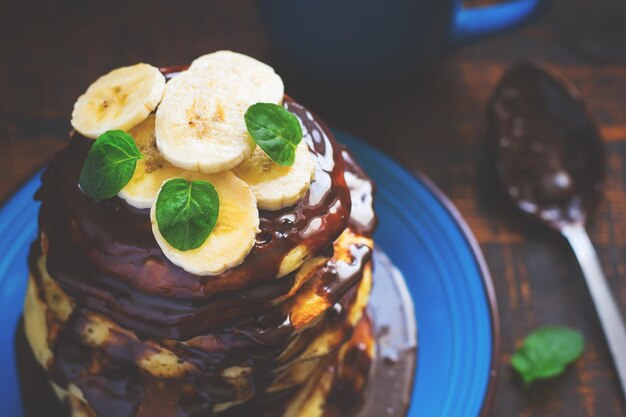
(435, 122)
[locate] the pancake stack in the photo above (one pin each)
(122, 330)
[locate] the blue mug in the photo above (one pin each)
(361, 42)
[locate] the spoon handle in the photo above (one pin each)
(606, 306)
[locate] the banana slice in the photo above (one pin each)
(246, 77)
(118, 100)
(200, 123)
(152, 170)
(275, 186)
(233, 236)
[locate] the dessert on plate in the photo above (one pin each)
(205, 249)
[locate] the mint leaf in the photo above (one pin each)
(546, 352)
(186, 212)
(110, 165)
(275, 130)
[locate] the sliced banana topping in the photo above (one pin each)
(244, 76)
(194, 128)
(118, 100)
(200, 123)
(152, 170)
(233, 236)
(276, 186)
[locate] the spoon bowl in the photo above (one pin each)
(548, 152)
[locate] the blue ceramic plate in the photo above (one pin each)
(421, 232)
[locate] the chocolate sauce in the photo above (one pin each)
(104, 256)
(118, 239)
(130, 278)
(547, 148)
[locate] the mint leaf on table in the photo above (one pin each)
(275, 130)
(110, 165)
(546, 352)
(186, 212)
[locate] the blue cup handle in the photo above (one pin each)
(471, 23)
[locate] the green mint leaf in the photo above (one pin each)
(546, 352)
(186, 212)
(275, 130)
(110, 165)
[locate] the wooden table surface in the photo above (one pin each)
(50, 52)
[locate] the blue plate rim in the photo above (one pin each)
(487, 281)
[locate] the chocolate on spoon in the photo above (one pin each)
(548, 152)
(551, 161)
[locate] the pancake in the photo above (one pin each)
(104, 342)
(352, 363)
(121, 331)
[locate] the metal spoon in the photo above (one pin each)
(551, 162)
